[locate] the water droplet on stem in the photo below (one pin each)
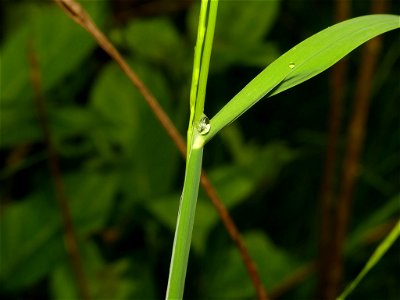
(203, 127)
(292, 65)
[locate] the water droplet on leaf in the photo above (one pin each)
(292, 65)
(203, 127)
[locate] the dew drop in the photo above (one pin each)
(203, 127)
(292, 65)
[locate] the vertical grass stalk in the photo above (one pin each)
(202, 55)
(187, 207)
(184, 226)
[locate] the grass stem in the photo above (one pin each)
(184, 226)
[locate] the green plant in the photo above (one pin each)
(122, 173)
(198, 126)
(299, 64)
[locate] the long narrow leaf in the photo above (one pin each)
(376, 256)
(307, 59)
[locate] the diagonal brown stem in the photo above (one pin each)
(70, 238)
(79, 15)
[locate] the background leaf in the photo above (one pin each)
(50, 24)
(228, 279)
(131, 131)
(34, 224)
(43, 23)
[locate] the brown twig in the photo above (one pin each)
(70, 238)
(78, 14)
(338, 87)
(355, 139)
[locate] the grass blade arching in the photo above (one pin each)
(307, 59)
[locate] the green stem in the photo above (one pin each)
(202, 55)
(198, 50)
(205, 60)
(184, 227)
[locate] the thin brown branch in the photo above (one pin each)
(355, 140)
(78, 14)
(338, 88)
(70, 238)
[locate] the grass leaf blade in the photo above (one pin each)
(307, 59)
(374, 259)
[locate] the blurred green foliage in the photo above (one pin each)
(124, 176)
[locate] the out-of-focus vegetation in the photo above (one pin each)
(123, 175)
